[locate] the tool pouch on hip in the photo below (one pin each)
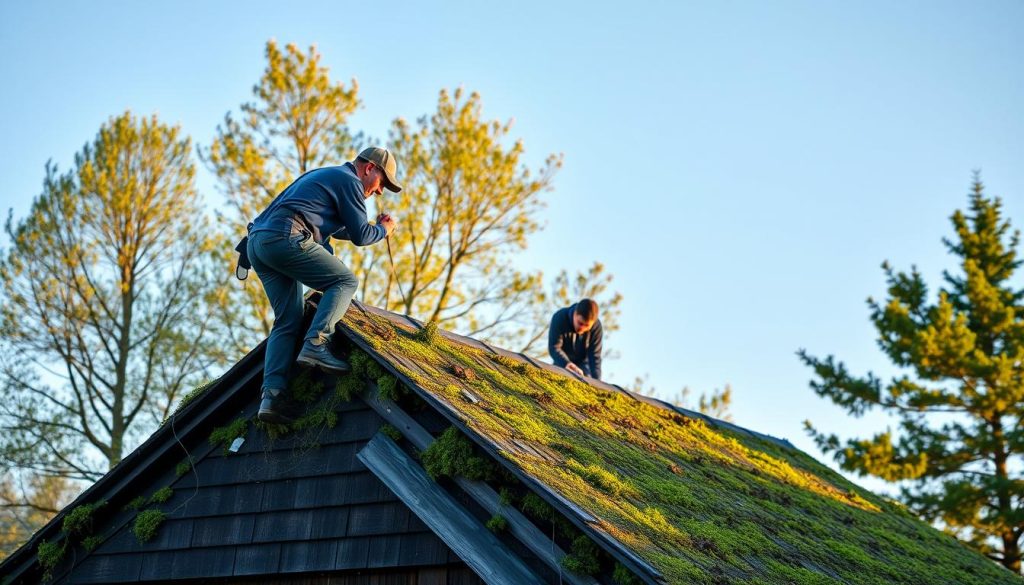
(244, 265)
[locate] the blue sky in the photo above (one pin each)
(742, 168)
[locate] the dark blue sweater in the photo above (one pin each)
(332, 203)
(565, 345)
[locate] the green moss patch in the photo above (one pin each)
(428, 334)
(349, 387)
(306, 387)
(323, 416)
(388, 387)
(623, 576)
(135, 504)
(497, 524)
(583, 557)
(701, 503)
(50, 554)
(189, 397)
(147, 523)
(79, 520)
(161, 495)
(90, 543)
(225, 435)
(391, 432)
(453, 455)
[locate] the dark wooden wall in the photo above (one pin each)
(303, 504)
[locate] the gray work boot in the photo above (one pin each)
(271, 410)
(320, 357)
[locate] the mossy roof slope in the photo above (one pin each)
(700, 502)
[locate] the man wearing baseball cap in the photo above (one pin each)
(288, 246)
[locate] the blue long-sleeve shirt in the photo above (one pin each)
(565, 345)
(331, 200)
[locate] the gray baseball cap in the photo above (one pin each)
(383, 158)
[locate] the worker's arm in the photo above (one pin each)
(555, 331)
(595, 351)
(352, 211)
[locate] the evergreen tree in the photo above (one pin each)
(960, 401)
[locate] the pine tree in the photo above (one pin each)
(960, 399)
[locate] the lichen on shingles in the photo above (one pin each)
(700, 503)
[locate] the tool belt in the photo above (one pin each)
(244, 265)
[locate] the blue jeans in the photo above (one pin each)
(283, 261)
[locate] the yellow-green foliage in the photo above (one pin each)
(223, 436)
(273, 430)
(537, 508)
(147, 523)
(373, 370)
(517, 366)
(182, 468)
(600, 477)
(358, 360)
(428, 334)
(702, 504)
(506, 497)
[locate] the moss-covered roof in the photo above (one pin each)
(700, 502)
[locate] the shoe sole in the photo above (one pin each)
(312, 363)
(269, 416)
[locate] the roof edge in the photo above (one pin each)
(221, 394)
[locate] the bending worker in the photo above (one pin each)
(288, 247)
(574, 339)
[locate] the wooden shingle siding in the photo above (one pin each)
(298, 504)
(450, 575)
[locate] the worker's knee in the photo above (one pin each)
(345, 281)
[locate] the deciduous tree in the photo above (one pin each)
(108, 293)
(298, 121)
(469, 203)
(28, 501)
